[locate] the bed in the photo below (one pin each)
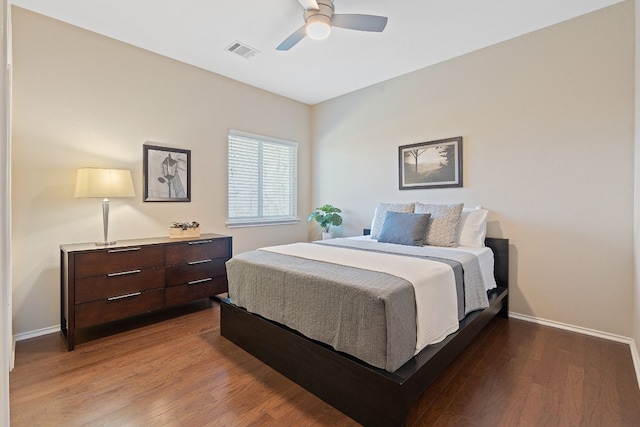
(374, 387)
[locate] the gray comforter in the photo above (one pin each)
(367, 314)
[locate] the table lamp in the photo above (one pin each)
(104, 183)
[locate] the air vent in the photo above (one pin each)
(242, 49)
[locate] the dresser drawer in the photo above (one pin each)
(118, 259)
(121, 283)
(101, 311)
(176, 295)
(197, 250)
(185, 273)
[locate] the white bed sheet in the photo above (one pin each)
(485, 257)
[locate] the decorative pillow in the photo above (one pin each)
(443, 225)
(404, 228)
(381, 214)
(473, 227)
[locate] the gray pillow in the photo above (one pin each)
(404, 228)
(443, 225)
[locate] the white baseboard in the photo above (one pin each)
(572, 328)
(586, 331)
(37, 333)
(636, 359)
(12, 360)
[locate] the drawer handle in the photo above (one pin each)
(195, 282)
(202, 261)
(200, 242)
(113, 251)
(134, 294)
(122, 273)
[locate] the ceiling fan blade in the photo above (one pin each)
(309, 4)
(358, 22)
(293, 39)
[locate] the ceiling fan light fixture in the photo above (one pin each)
(318, 27)
(319, 18)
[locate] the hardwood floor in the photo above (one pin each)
(180, 371)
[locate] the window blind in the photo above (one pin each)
(262, 180)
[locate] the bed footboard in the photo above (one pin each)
(371, 396)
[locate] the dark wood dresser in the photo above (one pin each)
(100, 284)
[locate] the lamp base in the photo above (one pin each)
(113, 242)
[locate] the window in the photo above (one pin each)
(262, 180)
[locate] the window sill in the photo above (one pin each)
(261, 222)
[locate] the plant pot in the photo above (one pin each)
(326, 236)
(177, 233)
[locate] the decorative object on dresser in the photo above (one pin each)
(167, 174)
(434, 164)
(104, 183)
(184, 229)
(133, 277)
(327, 216)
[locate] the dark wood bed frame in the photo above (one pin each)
(367, 394)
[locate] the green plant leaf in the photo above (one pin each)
(327, 216)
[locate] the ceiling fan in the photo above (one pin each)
(319, 18)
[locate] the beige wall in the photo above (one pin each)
(547, 121)
(636, 299)
(6, 329)
(86, 100)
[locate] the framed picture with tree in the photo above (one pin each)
(433, 164)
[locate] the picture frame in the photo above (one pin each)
(167, 174)
(433, 164)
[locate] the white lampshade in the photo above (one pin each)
(318, 27)
(95, 182)
(104, 183)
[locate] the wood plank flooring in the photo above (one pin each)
(181, 372)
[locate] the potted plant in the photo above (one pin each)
(184, 229)
(326, 216)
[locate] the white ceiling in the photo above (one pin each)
(419, 33)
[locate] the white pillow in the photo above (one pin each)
(473, 227)
(381, 214)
